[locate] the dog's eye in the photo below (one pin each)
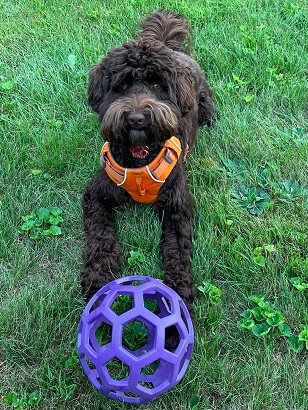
(156, 86)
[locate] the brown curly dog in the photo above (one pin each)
(151, 97)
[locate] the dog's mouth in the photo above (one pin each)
(140, 152)
(138, 140)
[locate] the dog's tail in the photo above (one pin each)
(167, 27)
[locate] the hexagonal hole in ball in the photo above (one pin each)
(122, 303)
(117, 370)
(135, 335)
(172, 338)
(157, 303)
(103, 334)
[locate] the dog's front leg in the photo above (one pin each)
(175, 206)
(103, 252)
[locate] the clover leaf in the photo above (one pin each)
(135, 258)
(211, 291)
(42, 223)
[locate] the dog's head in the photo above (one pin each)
(140, 92)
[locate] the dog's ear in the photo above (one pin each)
(185, 92)
(97, 84)
(206, 107)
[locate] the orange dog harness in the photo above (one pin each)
(143, 183)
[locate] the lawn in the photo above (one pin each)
(249, 180)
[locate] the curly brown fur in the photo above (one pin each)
(144, 92)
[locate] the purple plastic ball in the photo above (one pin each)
(122, 335)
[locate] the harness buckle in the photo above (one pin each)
(102, 160)
(166, 156)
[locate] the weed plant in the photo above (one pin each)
(247, 175)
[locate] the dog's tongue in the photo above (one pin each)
(140, 152)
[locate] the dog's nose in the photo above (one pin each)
(136, 119)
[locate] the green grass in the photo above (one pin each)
(249, 49)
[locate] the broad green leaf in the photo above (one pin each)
(55, 220)
(252, 199)
(269, 312)
(71, 60)
(56, 211)
(258, 250)
(28, 217)
(237, 79)
(36, 235)
(73, 360)
(205, 288)
(295, 344)
(29, 224)
(55, 123)
(275, 320)
(285, 330)
(298, 283)
(246, 314)
(302, 286)
(256, 298)
(258, 313)
(269, 248)
(259, 260)
(248, 98)
(43, 212)
(295, 281)
(264, 305)
(11, 399)
(215, 300)
(34, 398)
(140, 329)
(55, 230)
(151, 305)
(246, 324)
(36, 172)
(47, 218)
(7, 86)
(193, 402)
(214, 292)
(303, 337)
(39, 221)
(261, 330)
